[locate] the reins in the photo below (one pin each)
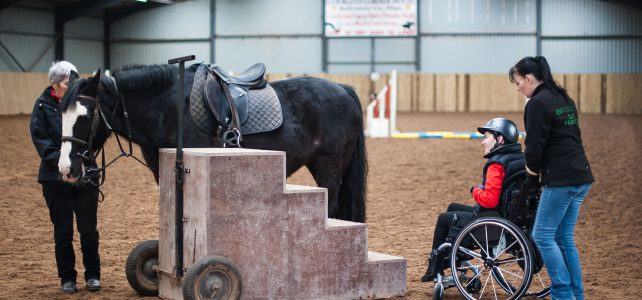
(91, 172)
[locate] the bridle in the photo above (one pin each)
(89, 155)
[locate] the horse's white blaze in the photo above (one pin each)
(69, 119)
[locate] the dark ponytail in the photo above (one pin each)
(539, 68)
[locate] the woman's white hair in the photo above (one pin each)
(61, 70)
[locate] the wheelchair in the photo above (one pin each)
(493, 257)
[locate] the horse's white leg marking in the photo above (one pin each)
(69, 119)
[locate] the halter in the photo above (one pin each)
(88, 155)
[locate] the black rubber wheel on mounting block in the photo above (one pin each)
(212, 277)
(140, 268)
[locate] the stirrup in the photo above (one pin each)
(232, 137)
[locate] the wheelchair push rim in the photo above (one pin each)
(491, 259)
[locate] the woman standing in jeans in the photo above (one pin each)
(555, 159)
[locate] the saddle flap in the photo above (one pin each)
(216, 101)
(240, 97)
(220, 107)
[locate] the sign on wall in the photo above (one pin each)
(364, 18)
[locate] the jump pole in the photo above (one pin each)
(379, 125)
(179, 169)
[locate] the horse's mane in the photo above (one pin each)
(69, 100)
(145, 77)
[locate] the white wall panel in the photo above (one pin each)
(594, 56)
(123, 54)
(86, 55)
(395, 50)
(185, 20)
(474, 16)
(26, 50)
(401, 68)
(26, 20)
(348, 69)
(474, 54)
(85, 27)
(349, 50)
(280, 55)
(235, 17)
(589, 17)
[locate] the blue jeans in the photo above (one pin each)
(553, 233)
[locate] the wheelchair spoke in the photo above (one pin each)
(470, 267)
(510, 260)
(504, 250)
(471, 253)
(481, 294)
(479, 245)
(478, 275)
(486, 232)
(541, 287)
(492, 280)
(499, 275)
(541, 282)
(519, 275)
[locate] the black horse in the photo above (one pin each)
(322, 127)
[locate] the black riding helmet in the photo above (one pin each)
(505, 127)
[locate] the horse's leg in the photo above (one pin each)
(344, 175)
(151, 159)
(327, 172)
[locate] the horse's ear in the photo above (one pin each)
(92, 85)
(73, 76)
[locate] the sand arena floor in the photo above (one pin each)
(410, 183)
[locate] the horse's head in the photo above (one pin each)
(84, 129)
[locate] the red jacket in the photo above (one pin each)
(488, 196)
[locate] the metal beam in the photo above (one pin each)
(170, 40)
(632, 3)
(8, 3)
(59, 31)
(43, 52)
(106, 42)
(324, 41)
(12, 57)
(120, 13)
(74, 10)
(212, 31)
(418, 39)
(538, 27)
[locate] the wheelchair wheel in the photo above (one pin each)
(496, 260)
(540, 285)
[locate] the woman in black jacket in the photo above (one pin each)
(555, 159)
(64, 200)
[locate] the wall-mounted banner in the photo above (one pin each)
(364, 18)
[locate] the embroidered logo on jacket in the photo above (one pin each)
(571, 114)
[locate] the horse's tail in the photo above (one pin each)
(352, 194)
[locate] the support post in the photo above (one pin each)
(179, 168)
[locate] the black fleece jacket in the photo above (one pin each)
(553, 140)
(46, 134)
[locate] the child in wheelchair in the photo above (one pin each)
(505, 160)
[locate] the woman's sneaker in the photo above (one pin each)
(93, 285)
(69, 287)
